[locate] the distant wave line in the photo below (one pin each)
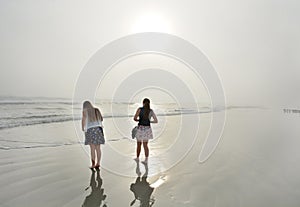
(34, 116)
(33, 102)
(65, 118)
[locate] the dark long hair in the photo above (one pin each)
(146, 103)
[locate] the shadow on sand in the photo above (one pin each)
(141, 188)
(97, 194)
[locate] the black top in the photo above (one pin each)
(144, 121)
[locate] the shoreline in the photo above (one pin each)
(252, 160)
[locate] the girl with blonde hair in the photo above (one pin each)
(92, 126)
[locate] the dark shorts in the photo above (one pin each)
(94, 136)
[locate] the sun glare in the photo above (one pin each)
(151, 23)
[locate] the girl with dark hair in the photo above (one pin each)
(91, 124)
(143, 115)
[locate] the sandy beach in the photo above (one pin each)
(255, 164)
(221, 76)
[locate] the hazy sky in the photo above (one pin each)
(254, 45)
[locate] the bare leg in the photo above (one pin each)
(98, 151)
(146, 149)
(138, 149)
(92, 146)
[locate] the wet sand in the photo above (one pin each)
(255, 164)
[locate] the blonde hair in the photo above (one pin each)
(91, 111)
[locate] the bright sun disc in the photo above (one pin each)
(151, 23)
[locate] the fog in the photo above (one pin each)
(253, 45)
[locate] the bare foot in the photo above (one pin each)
(97, 167)
(145, 161)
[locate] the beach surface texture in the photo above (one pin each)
(43, 161)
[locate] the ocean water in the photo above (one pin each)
(19, 116)
(17, 112)
(49, 122)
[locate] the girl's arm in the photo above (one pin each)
(135, 118)
(154, 118)
(83, 120)
(99, 114)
